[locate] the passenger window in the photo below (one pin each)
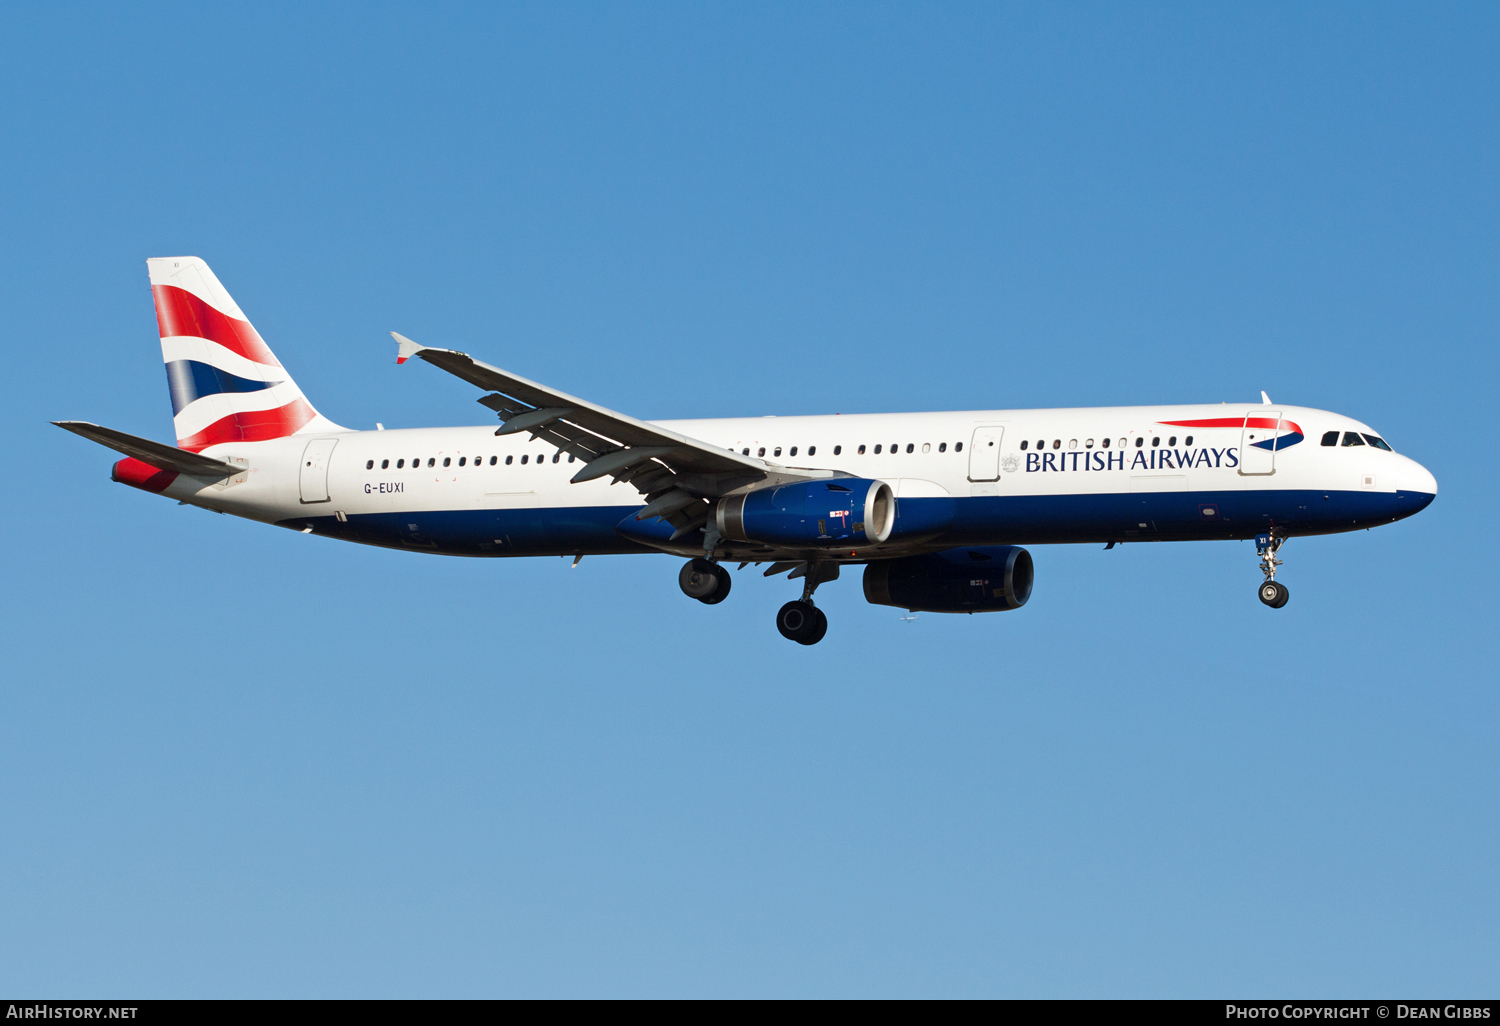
(1139, 442)
(1188, 440)
(838, 450)
(400, 464)
(943, 446)
(447, 461)
(385, 464)
(432, 461)
(792, 451)
(958, 447)
(777, 451)
(494, 460)
(926, 446)
(911, 447)
(1330, 438)
(861, 450)
(1172, 440)
(369, 464)
(761, 451)
(895, 448)
(877, 450)
(508, 459)
(1088, 443)
(812, 450)
(1352, 438)
(557, 456)
(462, 460)
(524, 458)
(571, 458)
(1122, 442)
(1155, 442)
(1378, 442)
(1105, 443)
(745, 452)
(1057, 443)
(1072, 443)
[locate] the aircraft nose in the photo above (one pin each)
(1417, 478)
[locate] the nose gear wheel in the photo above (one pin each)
(1273, 593)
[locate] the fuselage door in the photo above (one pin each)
(984, 453)
(1258, 442)
(314, 471)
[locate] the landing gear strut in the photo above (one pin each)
(707, 582)
(1272, 592)
(801, 621)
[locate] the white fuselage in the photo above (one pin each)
(1097, 464)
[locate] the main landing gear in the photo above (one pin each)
(1272, 592)
(798, 621)
(801, 621)
(707, 582)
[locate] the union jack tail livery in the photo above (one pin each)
(225, 383)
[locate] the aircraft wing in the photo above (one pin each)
(675, 473)
(158, 454)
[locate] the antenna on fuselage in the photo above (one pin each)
(1265, 400)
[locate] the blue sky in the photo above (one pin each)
(244, 762)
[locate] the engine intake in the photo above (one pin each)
(844, 511)
(967, 580)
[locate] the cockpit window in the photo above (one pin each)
(1378, 442)
(1352, 438)
(1330, 438)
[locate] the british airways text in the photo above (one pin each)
(1122, 459)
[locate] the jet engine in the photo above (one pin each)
(967, 580)
(844, 511)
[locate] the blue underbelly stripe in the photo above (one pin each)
(980, 520)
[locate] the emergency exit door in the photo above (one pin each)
(314, 471)
(984, 453)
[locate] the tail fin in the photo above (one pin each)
(226, 385)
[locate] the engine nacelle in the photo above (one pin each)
(843, 511)
(980, 579)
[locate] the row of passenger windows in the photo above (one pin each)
(1088, 443)
(838, 450)
(1356, 438)
(464, 461)
(1329, 438)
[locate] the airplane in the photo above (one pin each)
(936, 507)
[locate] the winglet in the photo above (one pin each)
(1264, 399)
(405, 347)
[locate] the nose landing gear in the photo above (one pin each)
(707, 582)
(1272, 592)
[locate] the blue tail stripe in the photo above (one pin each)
(189, 380)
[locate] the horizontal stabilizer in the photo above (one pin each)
(157, 454)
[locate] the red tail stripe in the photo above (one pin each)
(256, 426)
(1257, 422)
(144, 476)
(179, 312)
